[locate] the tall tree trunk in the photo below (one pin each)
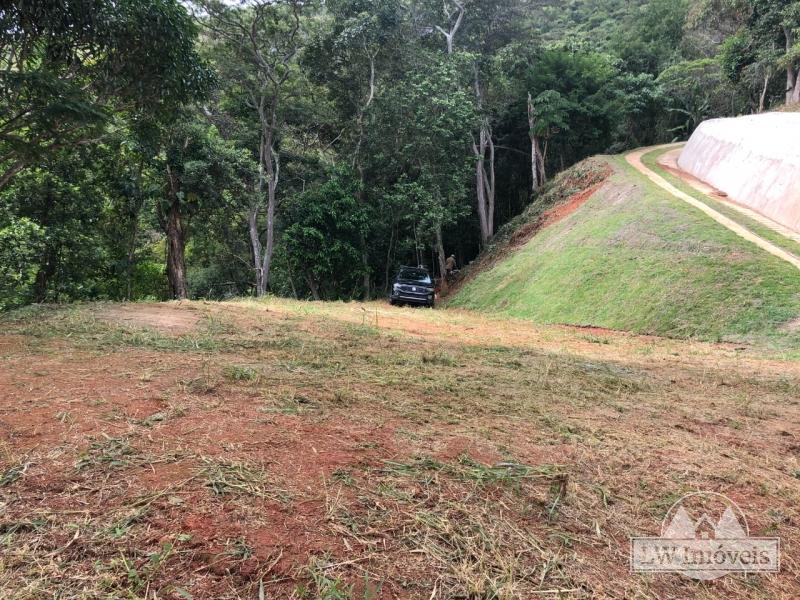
(542, 177)
(538, 175)
(176, 262)
(441, 260)
(796, 92)
(45, 274)
(387, 274)
(490, 183)
(792, 75)
(481, 193)
(484, 182)
(367, 281)
(763, 98)
(312, 285)
(266, 261)
(255, 242)
(176, 241)
(269, 172)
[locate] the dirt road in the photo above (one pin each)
(635, 159)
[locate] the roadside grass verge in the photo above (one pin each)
(651, 161)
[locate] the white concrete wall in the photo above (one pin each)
(754, 159)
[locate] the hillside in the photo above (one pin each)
(633, 258)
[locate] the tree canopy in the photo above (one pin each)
(157, 149)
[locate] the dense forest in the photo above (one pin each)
(160, 149)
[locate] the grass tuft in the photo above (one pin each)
(111, 453)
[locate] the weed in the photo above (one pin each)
(154, 418)
(344, 476)
(324, 586)
(240, 550)
(240, 373)
(121, 527)
(438, 358)
(363, 331)
(466, 469)
(593, 339)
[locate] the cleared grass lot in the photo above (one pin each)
(352, 451)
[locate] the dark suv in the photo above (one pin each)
(413, 286)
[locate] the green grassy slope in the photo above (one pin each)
(635, 258)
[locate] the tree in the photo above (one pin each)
(198, 168)
(769, 41)
(695, 91)
(350, 59)
(486, 28)
(323, 243)
(547, 114)
(431, 117)
(67, 67)
(60, 205)
(21, 243)
(651, 37)
(264, 38)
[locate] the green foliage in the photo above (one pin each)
(322, 244)
(352, 117)
(584, 102)
(650, 39)
(21, 242)
(766, 47)
(67, 67)
(695, 91)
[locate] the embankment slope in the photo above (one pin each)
(634, 258)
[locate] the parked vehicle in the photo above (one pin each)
(413, 285)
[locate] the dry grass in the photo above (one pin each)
(300, 451)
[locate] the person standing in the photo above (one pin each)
(450, 264)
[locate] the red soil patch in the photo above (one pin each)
(552, 216)
(453, 448)
(557, 213)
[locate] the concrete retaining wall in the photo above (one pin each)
(755, 160)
